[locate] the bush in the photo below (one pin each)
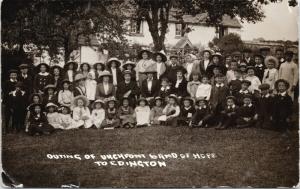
(227, 44)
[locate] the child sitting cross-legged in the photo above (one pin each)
(142, 113)
(156, 111)
(171, 111)
(38, 124)
(186, 112)
(229, 114)
(126, 114)
(203, 114)
(65, 117)
(246, 114)
(81, 112)
(53, 116)
(111, 115)
(98, 113)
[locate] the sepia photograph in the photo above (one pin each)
(149, 93)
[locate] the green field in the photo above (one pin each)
(246, 157)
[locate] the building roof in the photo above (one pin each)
(182, 43)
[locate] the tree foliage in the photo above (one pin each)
(227, 44)
(56, 23)
(157, 12)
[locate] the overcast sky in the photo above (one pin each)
(280, 24)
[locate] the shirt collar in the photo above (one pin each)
(14, 92)
(259, 65)
(202, 107)
(232, 106)
(44, 74)
(283, 94)
(13, 80)
(244, 92)
(248, 105)
(220, 85)
(266, 96)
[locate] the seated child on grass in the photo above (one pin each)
(229, 114)
(203, 114)
(186, 112)
(246, 115)
(171, 111)
(126, 114)
(98, 113)
(142, 113)
(111, 115)
(53, 116)
(156, 111)
(81, 112)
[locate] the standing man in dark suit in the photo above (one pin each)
(150, 86)
(206, 62)
(26, 78)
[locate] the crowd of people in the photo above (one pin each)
(239, 90)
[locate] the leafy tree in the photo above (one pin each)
(56, 23)
(157, 12)
(228, 43)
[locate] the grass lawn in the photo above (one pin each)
(247, 157)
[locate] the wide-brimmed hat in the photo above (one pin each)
(105, 73)
(217, 54)
(39, 66)
(173, 96)
(264, 86)
(128, 62)
(181, 69)
(101, 63)
(58, 67)
(79, 77)
(189, 99)
(231, 97)
(113, 59)
(85, 63)
(236, 53)
(50, 86)
(173, 56)
(110, 99)
(75, 65)
(23, 66)
(158, 98)
(208, 50)
(98, 101)
(246, 82)
(142, 51)
(13, 71)
(32, 106)
(271, 59)
(162, 54)
(51, 104)
(201, 100)
(279, 81)
(83, 98)
(143, 99)
(247, 96)
(243, 64)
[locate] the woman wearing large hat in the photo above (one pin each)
(113, 66)
(128, 88)
(57, 73)
(130, 65)
(99, 67)
(70, 69)
(80, 88)
(105, 88)
(144, 62)
(84, 68)
(160, 59)
(43, 78)
(150, 86)
(50, 94)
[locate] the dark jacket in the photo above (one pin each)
(154, 89)
(125, 87)
(40, 81)
(218, 95)
(283, 107)
(181, 90)
(246, 111)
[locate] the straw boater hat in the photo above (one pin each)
(142, 51)
(33, 105)
(231, 97)
(279, 81)
(39, 66)
(142, 99)
(128, 62)
(272, 59)
(75, 65)
(207, 50)
(162, 54)
(105, 73)
(101, 63)
(51, 104)
(83, 98)
(246, 82)
(98, 101)
(158, 98)
(110, 99)
(79, 77)
(50, 86)
(23, 66)
(174, 56)
(113, 59)
(85, 63)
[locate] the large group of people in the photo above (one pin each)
(238, 90)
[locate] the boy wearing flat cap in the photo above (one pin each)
(264, 107)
